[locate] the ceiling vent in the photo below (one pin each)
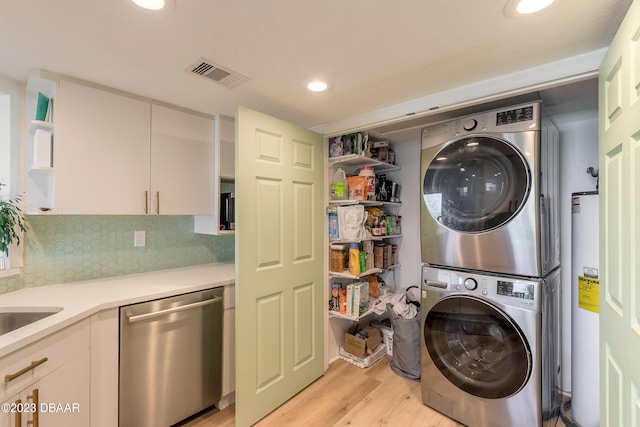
(216, 73)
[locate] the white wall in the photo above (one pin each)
(578, 151)
(408, 157)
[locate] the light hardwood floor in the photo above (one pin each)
(347, 396)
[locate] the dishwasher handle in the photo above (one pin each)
(154, 314)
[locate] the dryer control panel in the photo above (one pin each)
(519, 118)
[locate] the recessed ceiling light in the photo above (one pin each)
(150, 4)
(317, 86)
(525, 7)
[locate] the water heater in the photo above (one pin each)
(585, 308)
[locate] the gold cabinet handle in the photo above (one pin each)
(18, 416)
(34, 396)
(34, 364)
(158, 202)
(146, 202)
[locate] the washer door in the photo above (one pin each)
(476, 184)
(477, 347)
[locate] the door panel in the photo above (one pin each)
(619, 90)
(268, 223)
(279, 262)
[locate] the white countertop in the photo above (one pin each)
(82, 299)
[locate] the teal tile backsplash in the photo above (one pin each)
(72, 248)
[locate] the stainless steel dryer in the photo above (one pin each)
(490, 192)
(491, 347)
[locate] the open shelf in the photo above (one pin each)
(337, 314)
(374, 238)
(347, 275)
(41, 125)
(356, 160)
(352, 202)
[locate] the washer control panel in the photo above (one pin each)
(518, 292)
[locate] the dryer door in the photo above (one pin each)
(476, 184)
(477, 347)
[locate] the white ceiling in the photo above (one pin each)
(376, 53)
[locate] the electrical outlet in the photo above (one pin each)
(139, 239)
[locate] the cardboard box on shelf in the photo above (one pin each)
(361, 347)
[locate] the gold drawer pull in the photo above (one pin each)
(34, 364)
(18, 418)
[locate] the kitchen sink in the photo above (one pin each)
(12, 318)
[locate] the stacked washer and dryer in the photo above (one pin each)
(491, 278)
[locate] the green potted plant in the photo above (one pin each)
(12, 223)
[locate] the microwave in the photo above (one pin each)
(227, 211)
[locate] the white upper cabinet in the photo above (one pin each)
(182, 154)
(226, 147)
(102, 165)
(120, 155)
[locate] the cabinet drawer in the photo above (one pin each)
(58, 349)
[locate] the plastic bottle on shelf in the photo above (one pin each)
(339, 185)
(354, 259)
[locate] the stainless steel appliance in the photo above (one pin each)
(491, 347)
(170, 358)
(490, 192)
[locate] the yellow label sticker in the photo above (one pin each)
(589, 294)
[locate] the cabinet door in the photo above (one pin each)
(64, 397)
(8, 418)
(182, 163)
(229, 352)
(227, 147)
(23, 409)
(103, 154)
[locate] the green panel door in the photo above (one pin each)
(279, 262)
(619, 121)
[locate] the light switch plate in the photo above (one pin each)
(139, 239)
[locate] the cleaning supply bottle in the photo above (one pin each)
(339, 185)
(354, 259)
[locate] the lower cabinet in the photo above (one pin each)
(12, 413)
(48, 383)
(65, 394)
(59, 399)
(229, 348)
(104, 368)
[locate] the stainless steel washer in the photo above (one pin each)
(490, 192)
(491, 347)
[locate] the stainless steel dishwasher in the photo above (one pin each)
(170, 358)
